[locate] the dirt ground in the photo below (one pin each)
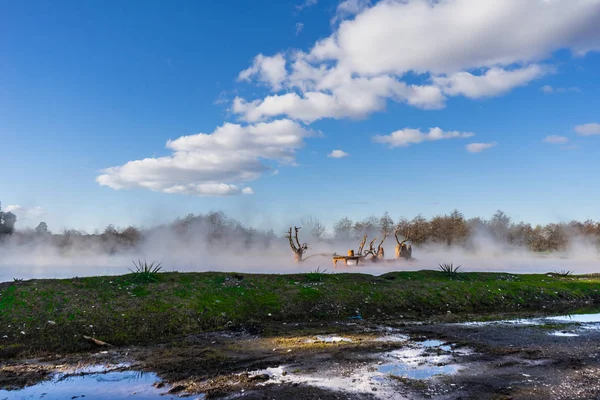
(346, 360)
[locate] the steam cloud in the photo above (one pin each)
(214, 242)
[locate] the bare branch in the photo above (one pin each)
(289, 237)
(362, 245)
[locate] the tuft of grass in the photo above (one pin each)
(316, 275)
(17, 280)
(450, 269)
(563, 273)
(145, 272)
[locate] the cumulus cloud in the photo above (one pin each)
(349, 8)
(406, 137)
(555, 139)
(469, 48)
(479, 147)
(352, 98)
(493, 82)
(588, 129)
(269, 70)
(450, 36)
(338, 154)
(213, 164)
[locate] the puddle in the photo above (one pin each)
(332, 339)
(392, 338)
(422, 360)
(417, 360)
(581, 318)
(563, 334)
(589, 319)
(419, 373)
(93, 386)
(526, 321)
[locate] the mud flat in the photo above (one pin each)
(402, 335)
(351, 360)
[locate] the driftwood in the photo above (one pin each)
(96, 341)
(375, 254)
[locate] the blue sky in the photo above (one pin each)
(86, 86)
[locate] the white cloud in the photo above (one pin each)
(472, 48)
(354, 98)
(306, 4)
(588, 129)
(299, 26)
(479, 147)
(338, 154)
(549, 89)
(469, 48)
(406, 137)
(212, 164)
(349, 8)
(445, 37)
(269, 70)
(493, 82)
(555, 139)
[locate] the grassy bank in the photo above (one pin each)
(54, 315)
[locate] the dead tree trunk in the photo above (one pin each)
(380, 252)
(362, 246)
(297, 248)
(402, 251)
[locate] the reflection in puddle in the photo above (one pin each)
(95, 386)
(564, 334)
(423, 361)
(332, 339)
(587, 321)
(392, 338)
(416, 360)
(581, 318)
(420, 372)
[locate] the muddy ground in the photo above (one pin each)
(353, 360)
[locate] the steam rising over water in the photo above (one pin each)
(46, 261)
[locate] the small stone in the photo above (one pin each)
(176, 389)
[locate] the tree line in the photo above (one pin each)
(215, 229)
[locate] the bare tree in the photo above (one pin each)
(297, 248)
(343, 228)
(315, 228)
(386, 223)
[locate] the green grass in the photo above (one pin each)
(124, 310)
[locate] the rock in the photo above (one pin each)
(176, 389)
